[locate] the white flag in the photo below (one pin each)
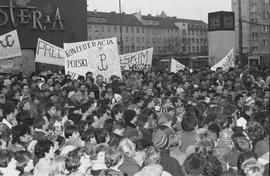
(48, 53)
(225, 63)
(176, 66)
(10, 45)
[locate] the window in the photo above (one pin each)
(127, 29)
(126, 39)
(192, 40)
(132, 29)
(109, 28)
(183, 40)
(253, 8)
(188, 48)
(138, 48)
(254, 36)
(115, 28)
(132, 38)
(265, 14)
(197, 41)
(184, 24)
(197, 49)
(265, 43)
(254, 49)
(192, 32)
(188, 41)
(142, 30)
(138, 39)
(138, 30)
(201, 48)
(201, 32)
(193, 48)
(184, 48)
(254, 21)
(127, 48)
(89, 28)
(188, 32)
(142, 39)
(184, 32)
(264, 29)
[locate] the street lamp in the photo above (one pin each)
(121, 30)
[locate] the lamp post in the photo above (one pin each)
(240, 42)
(121, 30)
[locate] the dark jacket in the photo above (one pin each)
(129, 166)
(170, 164)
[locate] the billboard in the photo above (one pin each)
(55, 21)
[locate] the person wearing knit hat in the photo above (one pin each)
(169, 164)
(160, 139)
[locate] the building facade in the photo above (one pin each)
(167, 35)
(255, 30)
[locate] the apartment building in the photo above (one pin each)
(166, 34)
(255, 28)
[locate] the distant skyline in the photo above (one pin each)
(187, 9)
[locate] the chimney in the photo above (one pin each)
(149, 15)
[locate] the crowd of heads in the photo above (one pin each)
(199, 123)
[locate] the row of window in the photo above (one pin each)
(254, 7)
(128, 29)
(196, 26)
(194, 32)
(193, 40)
(194, 49)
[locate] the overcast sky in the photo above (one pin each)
(188, 9)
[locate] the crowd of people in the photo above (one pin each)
(149, 123)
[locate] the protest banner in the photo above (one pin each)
(137, 61)
(48, 53)
(10, 45)
(176, 66)
(225, 63)
(98, 56)
(24, 63)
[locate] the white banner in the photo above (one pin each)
(48, 53)
(137, 61)
(10, 45)
(225, 63)
(98, 56)
(176, 66)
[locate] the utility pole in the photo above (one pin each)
(240, 40)
(121, 30)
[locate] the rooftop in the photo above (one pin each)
(113, 18)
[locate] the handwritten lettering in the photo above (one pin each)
(77, 63)
(90, 44)
(48, 50)
(7, 42)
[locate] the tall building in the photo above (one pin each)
(193, 36)
(255, 30)
(168, 35)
